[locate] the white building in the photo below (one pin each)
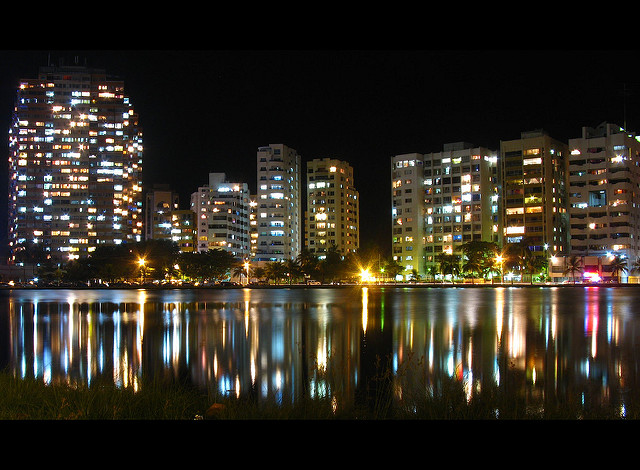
(75, 164)
(604, 201)
(278, 203)
(332, 215)
(440, 201)
(222, 216)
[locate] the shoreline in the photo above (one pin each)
(323, 286)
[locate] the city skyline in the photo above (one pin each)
(362, 107)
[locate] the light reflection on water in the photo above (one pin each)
(286, 343)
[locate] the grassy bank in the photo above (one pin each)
(30, 399)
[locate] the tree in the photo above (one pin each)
(292, 270)
(635, 267)
(392, 268)
(330, 266)
(479, 256)
(449, 263)
(618, 266)
(259, 272)
(308, 263)
(574, 265)
(533, 263)
(274, 270)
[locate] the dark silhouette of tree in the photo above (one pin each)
(574, 265)
(618, 266)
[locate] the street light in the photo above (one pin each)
(246, 266)
(500, 259)
(141, 263)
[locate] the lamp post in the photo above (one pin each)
(141, 263)
(500, 259)
(246, 266)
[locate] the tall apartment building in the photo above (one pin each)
(332, 215)
(604, 202)
(534, 183)
(160, 202)
(183, 230)
(222, 216)
(440, 201)
(279, 203)
(75, 164)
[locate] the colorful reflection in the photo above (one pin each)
(281, 344)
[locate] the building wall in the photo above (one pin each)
(442, 200)
(75, 165)
(604, 204)
(332, 215)
(183, 230)
(278, 203)
(534, 181)
(160, 202)
(222, 214)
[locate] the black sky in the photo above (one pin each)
(209, 111)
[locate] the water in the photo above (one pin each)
(552, 343)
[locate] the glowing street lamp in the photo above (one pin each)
(365, 275)
(500, 259)
(246, 266)
(141, 263)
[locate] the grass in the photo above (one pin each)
(30, 399)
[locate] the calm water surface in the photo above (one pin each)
(552, 342)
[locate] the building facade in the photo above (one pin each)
(279, 203)
(183, 230)
(75, 164)
(160, 202)
(440, 201)
(332, 215)
(534, 184)
(222, 216)
(604, 202)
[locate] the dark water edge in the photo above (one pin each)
(584, 367)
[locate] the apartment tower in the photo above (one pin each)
(332, 216)
(440, 201)
(75, 164)
(534, 182)
(222, 216)
(278, 203)
(604, 203)
(160, 202)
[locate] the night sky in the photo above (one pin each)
(209, 111)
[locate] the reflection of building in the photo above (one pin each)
(222, 212)
(332, 217)
(534, 192)
(440, 201)
(279, 203)
(603, 196)
(75, 164)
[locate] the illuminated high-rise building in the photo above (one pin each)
(331, 217)
(534, 183)
(160, 202)
(222, 216)
(441, 201)
(278, 203)
(75, 164)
